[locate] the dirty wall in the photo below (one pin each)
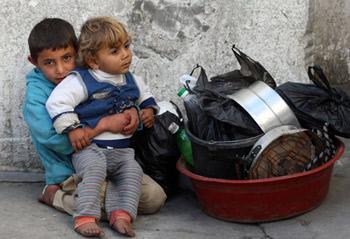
(169, 38)
(330, 41)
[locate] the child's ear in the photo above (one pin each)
(92, 63)
(31, 60)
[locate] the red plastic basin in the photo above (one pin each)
(262, 200)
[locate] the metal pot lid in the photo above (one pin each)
(265, 106)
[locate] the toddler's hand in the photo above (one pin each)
(79, 138)
(115, 123)
(134, 121)
(147, 117)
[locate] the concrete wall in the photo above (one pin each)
(330, 40)
(170, 37)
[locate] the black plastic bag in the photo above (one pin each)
(226, 119)
(252, 70)
(157, 152)
(230, 82)
(318, 103)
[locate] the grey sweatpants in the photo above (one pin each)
(93, 164)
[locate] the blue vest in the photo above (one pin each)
(105, 98)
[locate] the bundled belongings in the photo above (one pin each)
(258, 102)
(240, 127)
(287, 150)
(318, 103)
(156, 148)
(220, 129)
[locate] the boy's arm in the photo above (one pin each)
(39, 121)
(112, 123)
(80, 137)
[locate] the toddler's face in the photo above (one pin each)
(114, 60)
(56, 64)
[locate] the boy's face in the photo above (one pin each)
(113, 60)
(56, 64)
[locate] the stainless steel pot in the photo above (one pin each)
(265, 106)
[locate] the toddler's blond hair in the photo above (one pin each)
(99, 32)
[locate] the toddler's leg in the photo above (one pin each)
(123, 191)
(90, 165)
(121, 222)
(88, 226)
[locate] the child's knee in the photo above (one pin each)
(152, 197)
(96, 170)
(132, 165)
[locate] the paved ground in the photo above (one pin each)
(22, 216)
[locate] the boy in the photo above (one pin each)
(105, 87)
(53, 44)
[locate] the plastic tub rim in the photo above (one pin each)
(181, 167)
(222, 144)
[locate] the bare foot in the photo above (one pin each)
(48, 194)
(90, 229)
(124, 227)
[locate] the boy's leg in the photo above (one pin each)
(90, 166)
(48, 194)
(152, 196)
(64, 199)
(123, 189)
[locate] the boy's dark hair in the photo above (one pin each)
(51, 33)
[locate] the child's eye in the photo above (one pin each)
(67, 58)
(114, 51)
(49, 62)
(127, 45)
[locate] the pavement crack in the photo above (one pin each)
(266, 236)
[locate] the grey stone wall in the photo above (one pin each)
(330, 41)
(170, 37)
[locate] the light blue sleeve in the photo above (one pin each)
(40, 123)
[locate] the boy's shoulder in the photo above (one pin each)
(36, 78)
(35, 74)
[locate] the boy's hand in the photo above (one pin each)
(147, 117)
(79, 138)
(134, 121)
(114, 123)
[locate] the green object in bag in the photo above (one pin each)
(185, 147)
